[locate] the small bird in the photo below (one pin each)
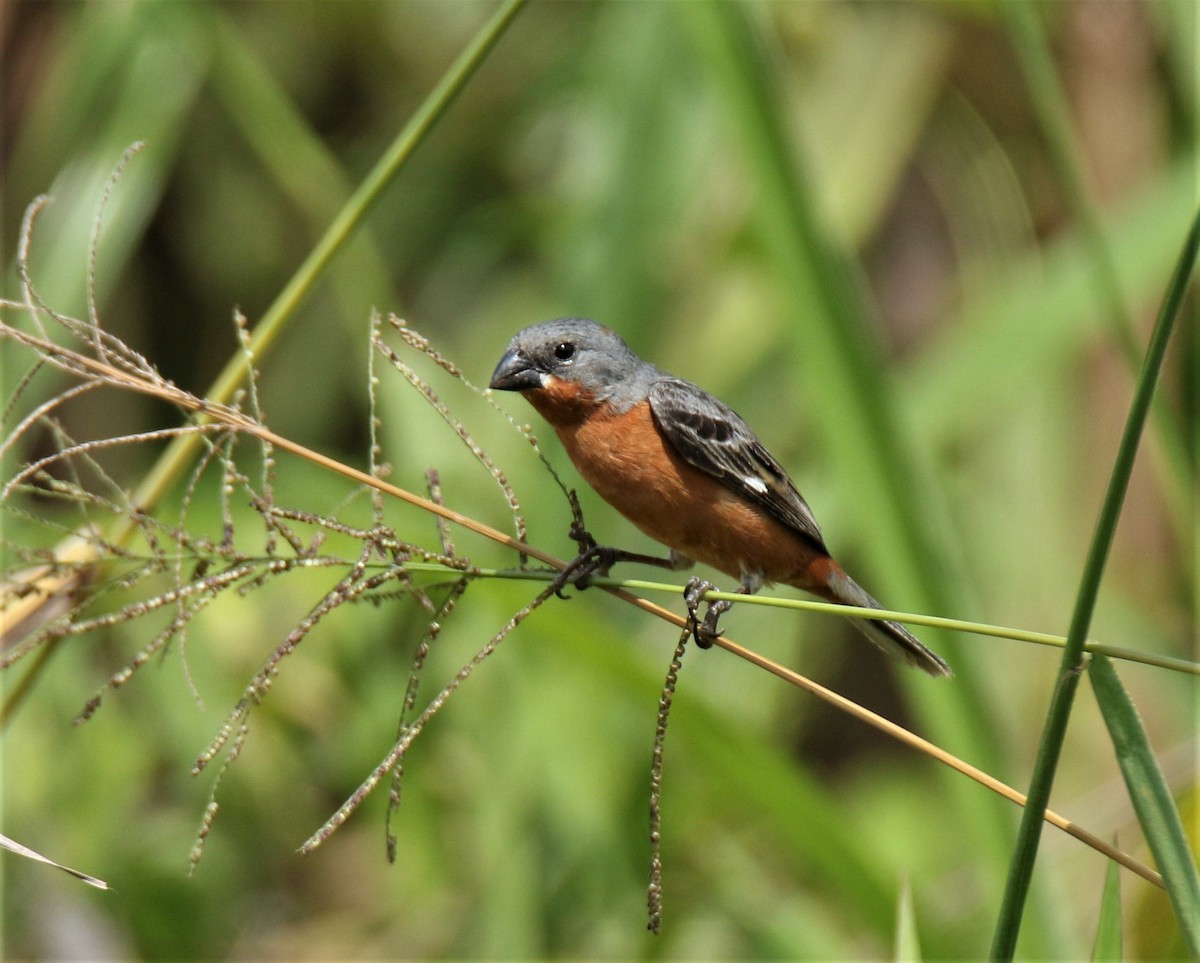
(686, 470)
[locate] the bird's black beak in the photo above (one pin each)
(515, 372)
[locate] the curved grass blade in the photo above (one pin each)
(1059, 713)
(1152, 801)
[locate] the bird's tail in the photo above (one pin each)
(892, 637)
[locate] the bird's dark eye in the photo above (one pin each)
(564, 351)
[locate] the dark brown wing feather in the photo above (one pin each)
(712, 437)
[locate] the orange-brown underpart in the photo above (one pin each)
(632, 467)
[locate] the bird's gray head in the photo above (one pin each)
(574, 350)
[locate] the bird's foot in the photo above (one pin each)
(704, 632)
(595, 560)
(592, 562)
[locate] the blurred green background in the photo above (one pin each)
(842, 218)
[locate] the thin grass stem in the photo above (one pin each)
(171, 464)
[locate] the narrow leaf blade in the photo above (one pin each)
(1107, 948)
(1152, 801)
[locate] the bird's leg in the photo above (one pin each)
(706, 632)
(596, 560)
(592, 557)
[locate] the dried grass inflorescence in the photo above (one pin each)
(119, 559)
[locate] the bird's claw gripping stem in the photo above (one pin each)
(706, 632)
(593, 560)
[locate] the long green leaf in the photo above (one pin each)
(1152, 801)
(1055, 728)
(845, 377)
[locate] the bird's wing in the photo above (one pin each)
(711, 436)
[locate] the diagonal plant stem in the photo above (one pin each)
(175, 459)
(1072, 665)
(911, 739)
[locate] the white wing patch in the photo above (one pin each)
(710, 436)
(754, 483)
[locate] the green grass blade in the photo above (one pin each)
(1107, 948)
(1054, 731)
(908, 944)
(1156, 810)
(1049, 102)
(340, 231)
(846, 384)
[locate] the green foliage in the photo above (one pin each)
(1107, 948)
(1151, 797)
(865, 245)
